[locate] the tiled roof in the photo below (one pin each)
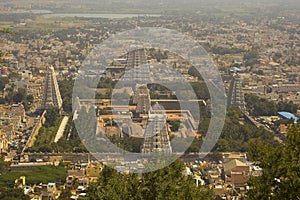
(232, 164)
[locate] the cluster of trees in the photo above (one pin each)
(106, 95)
(166, 183)
(19, 96)
(86, 124)
(262, 107)
(34, 176)
(195, 146)
(85, 89)
(3, 82)
(200, 90)
(259, 106)
(199, 87)
(277, 56)
(15, 95)
(293, 61)
(194, 72)
(160, 92)
(127, 143)
(157, 54)
(287, 106)
(223, 50)
(251, 57)
(66, 89)
(175, 125)
(46, 135)
(70, 141)
(105, 82)
(281, 169)
(44, 140)
(12, 194)
(238, 135)
(43, 174)
(52, 116)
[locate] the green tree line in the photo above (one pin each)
(281, 168)
(163, 184)
(258, 106)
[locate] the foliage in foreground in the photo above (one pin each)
(281, 169)
(166, 183)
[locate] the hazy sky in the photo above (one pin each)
(165, 5)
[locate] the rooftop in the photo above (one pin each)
(288, 115)
(232, 164)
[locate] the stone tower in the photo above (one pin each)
(156, 137)
(236, 96)
(51, 96)
(142, 99)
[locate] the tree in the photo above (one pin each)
(3, 82)
(262, 107)
(112, 185)
(66, 89)
(65, 195)
(287, 106)
(200, 90)
(30, 98)
(171, 183)
(259, 106)
(175, 125)
(251, 57)
(20, 96)
(51, 116)
(281, 169)
(194, 72)
(167, 183)
(12, 194)
(4, 166)
(237, 133)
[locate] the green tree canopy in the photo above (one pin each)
(167, 183)
(281, 169)
(66, 89)
(12, 194)
(3, 82)
(52, 115)
(258, 106)
(20, 95)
